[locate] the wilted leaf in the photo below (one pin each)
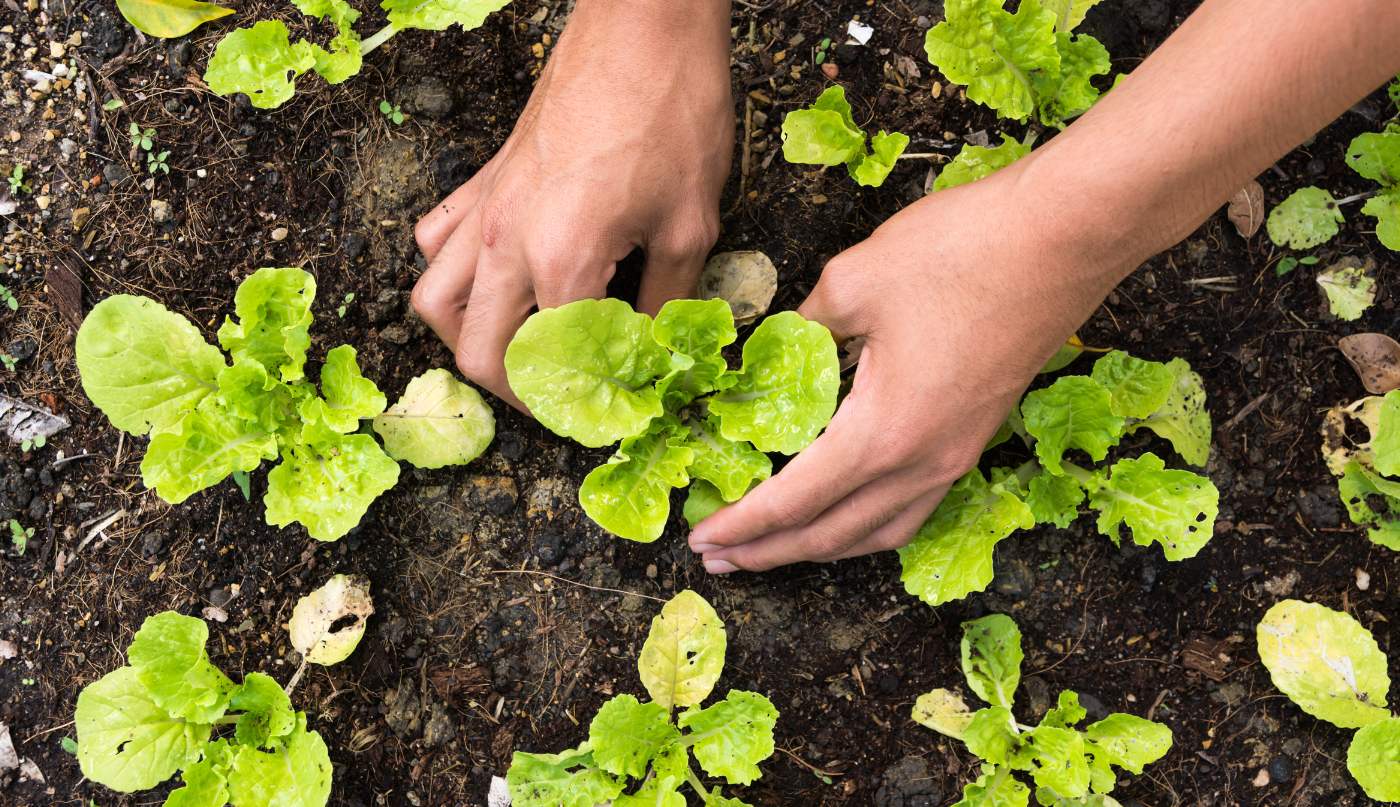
(20, 421)
(1246, 209)
(169, 18)
(315, 617)
(1350, 287)
(745, 280)
(1376, 359)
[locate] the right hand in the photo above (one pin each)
(626, 142)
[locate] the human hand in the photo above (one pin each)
(961, 298)
(626, 142)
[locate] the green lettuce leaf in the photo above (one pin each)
(202, 450)
(169, 658)
(1069, 92)
(683, 655)
(1069, 13)
(206, 781)
(168, 19)
(1066, 712)
(658, 791)
(990, 735)
(701, 501)
(297, 774)
(1137, 388)
(438, 15)
(943, 711)
(785, 393)
(1363, 491)
(586, 370)
(1385, 207)
(1056, 760)
(630, 495)
(732, 468)
(697, 328)
(347, 396)
(1054, 499)
(1374, 759)
(824, 133)
(439, 421)
(344, 57)
(261, 401)
(1127, 741)
(1325, 662)
(1308, 218)
(267, 711)
(991, 658)
(873, 168)
(260, 62)
(142, 365)
(1182, 420)
(128, 742)
(1350, 291)
(328, 487)
(1174, 508)
(560, 780)
(1376, 156)
(995, 53)
(1074, 412)
(626, 734)
(951, 554)
(975, 162)
(734, 735)
(996, 787)
(274, 321)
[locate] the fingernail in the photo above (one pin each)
(704, 549)
(720, 567)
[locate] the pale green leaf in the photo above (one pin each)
(263, 402)
(200, 451)
(626, 734)
(296, 774)
(684, 653)
(1066, 712)
(169, 657)
(313, 626)
(733, 735)
(1350, 291)
(996, 787)
(1069, 13)
(943, 711)
(994, 53)
(1069, 92)
(1054, 499)
(873, 168)
(260, 62)
(697, 328)
(1372, 501)
(274, 321)
(658, 791)
(630, 495)
(569, 779)
(991, 658)
(1128, 741)
(1308, 218)
(328, 487)
(1374, 759)
(125, 740)
(824, 133)
(701, 501)
(347, 396)
(437, 15)
(1376, 156)
(1325, 662)
(732, 467)
(991, 735)
(142, 365)
(1174, 508)
(1075, 412)
(205, 782)
(1056, 760)
(267, 711)
(439, 421)
(168, 19)
(1136, 387)
(1385, 208)
(344, 57)
(1182, 420)
(975, 162)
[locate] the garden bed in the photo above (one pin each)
(504, 616)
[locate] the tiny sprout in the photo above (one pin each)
(143, 139)
(9, 299)
(345, 304)
(393, 112)
(19, 536)
(16, 179)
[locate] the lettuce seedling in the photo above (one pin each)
(951, 554)
(150, 371)
(1312, 216)
(975, 162)
(139, 725)
(599, 372)
(1023, 65)
(1069, 766)
(1365, 471)
(825, 133)
(645, 746)
(263, 63)
(1332, 668)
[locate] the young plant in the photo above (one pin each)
(141, 139)
(951, 555)
(345, 304)
(263, 63)
(16, 180)
(599, 372)
(151, 372)
(648, 742)
(32, 443)
(156, 162)
(8, 298)
(1312, 216)
(392, 112)
(1068, 766)
(976, 162)
(1023, 65)
(19, 536)
(1365, 471)
(139, 725)
(1331, 667)
(825, 133)
(1288, 263)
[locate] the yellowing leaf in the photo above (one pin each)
(1349, 286)
(943, 711)
(1325, 662)
(317, 613)
(439, 421)
(167, 19)
(684, 653)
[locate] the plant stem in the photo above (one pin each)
(1356, 197)
(696, 783)
(377, 38)
(923, 155)
(1080, 475)
(296, 678)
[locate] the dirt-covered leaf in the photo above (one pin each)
(260, 62)
(25, 422)
(1308, 218)
(1374, 759)
(439, 421)
(683, 655)
(1376, 359)
(167, 19)
(734, 735)
(746, 280)
(944, 711)
(1246, 210)
(1325, 662)
(1174, 508)
(126, 741)
(991, 658)
(1350, 288)
(318, 628)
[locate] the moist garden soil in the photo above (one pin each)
(504, 617)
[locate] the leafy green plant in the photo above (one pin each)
(1365, 471)
(1312, 216)
(825, 133)
(141, 139)
(8, 298)
(19, 536)
(975, 162)
(1068, 766)
(139, 725)
(17, 183)
(150, 371)
(392, 112)
(1288, 263)
(631, 741)
(8, 361)
(1023, 65)
(262, 62)
(599, 372)
(156, 162)
(951, 555)
(1330, 666)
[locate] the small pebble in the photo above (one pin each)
(1281, 769)
(830, 70)
(279, 234)
(1261, 779)
(1363, 579)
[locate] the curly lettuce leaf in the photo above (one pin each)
(630, 495)
(1126, 741)
(1066, 712)
(586, 370)
(206, 781)
(951, 554)
(1374, 759)
(569, 779)
(944, 711)
(168, 19)
(701, 501)
(347, 396)
(260, 62)
(344, 58)
(261, 401)
(657, 791)
(1183, 420)
(995, 53)
(127, 741)
(1074, 412)
(975, 162)
(1137, 388)
(626, 734)
(1376, 156)
(991, 735)
(1350, 290)
(1372, 501)
(274, 321)
(1069, 13)
(438, 15)
(439, 421)
(170, 660)
(144, 366)
(328, 487)
(684, 652)
(824, 133)
(1308, 218)
(996, 787)
(1174, 508)
(203, 449)
(1385, 208)
(731, 467)
(296, 774)
(1056, 760)
(696, 328)
(1054, 499)
(785, 393)
(872, 168)
(267, 711)
(734, 735)
(1325, 662)
(1066, 93)
(991, 658)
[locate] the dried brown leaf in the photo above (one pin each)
(1246, 209)
(746, 280)
(1376, 359)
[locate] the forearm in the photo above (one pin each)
(649, 25)
(1240, 84)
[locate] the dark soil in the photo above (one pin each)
(504, 617)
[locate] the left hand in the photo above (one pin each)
(961, 298)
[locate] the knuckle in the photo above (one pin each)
(422, 300)
(423, 232)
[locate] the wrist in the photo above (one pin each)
(672, 20)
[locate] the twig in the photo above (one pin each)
(102, 523)
(576, 583)
(1243, 413)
